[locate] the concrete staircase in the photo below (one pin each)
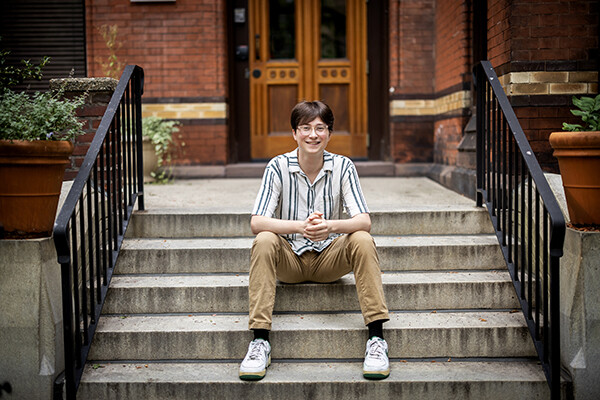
(175, 319)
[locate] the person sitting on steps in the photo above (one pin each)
(301, 237)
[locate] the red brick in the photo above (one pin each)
(91, 111)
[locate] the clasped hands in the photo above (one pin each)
(315, 227)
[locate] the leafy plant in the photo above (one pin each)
(112, 67)
(11, 75)
(41, 116)
(160, 133)
(589, 111)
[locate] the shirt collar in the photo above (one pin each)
(294, 164)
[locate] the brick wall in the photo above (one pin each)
(182, 47)
(553, 30)
(98, 92)
(412, 140)
(452, 75)
(499, 33)
(90, 114)
(447, 137)
(411, 46)
(522, 31)
(411, 79)
(544, 53)
(538, 123)
(202, 144)
(452, 44)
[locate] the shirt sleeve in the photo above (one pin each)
(267, 198)
(354, 201)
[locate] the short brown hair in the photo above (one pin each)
(307, 111)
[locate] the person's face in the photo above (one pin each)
(313, 137)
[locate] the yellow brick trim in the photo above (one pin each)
(412, 107)
(547, 82)
(185, 110)
(452, 102)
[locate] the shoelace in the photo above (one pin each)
(256, 353)
(376, 350)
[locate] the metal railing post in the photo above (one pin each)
(508, 193)
(92, 222)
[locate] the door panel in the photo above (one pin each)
(305, 49)
(281, 99)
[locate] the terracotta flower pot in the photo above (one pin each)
(31, 175)
(578, 155)
(150, 160)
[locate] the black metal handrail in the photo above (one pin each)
(526, 216)
(91, 224)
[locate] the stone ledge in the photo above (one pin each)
(579, 305)
(460, 180)
(456, 178)
(84, 84)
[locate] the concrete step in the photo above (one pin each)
(396, 253)
(518, 379)
(135, 294)
(309, 336)
(183, 223)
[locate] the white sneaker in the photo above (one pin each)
(377, 364)
(258, 358)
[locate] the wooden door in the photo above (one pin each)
(307, 50)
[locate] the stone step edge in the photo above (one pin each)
(194, 222)
(409, 291)
(245, 242)
(492, 381)
(233, 212)
(514, 370)
(208, 280)
(474, 334)
(144, 323)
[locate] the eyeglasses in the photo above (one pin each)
(306, 129)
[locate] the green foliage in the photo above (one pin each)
(589, 111)
(112, 67)
(11, 75)
(160, 132)
(41, 116)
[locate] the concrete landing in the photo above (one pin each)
(238, 195)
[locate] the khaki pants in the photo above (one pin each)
(272, 258)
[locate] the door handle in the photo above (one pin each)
(241, 53)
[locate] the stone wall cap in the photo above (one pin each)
(84, 84)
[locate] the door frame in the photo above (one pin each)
(239, 85)
(377, 86)
(378, 80)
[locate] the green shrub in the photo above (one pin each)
(41, 116)
(160, 133)
(589, 111)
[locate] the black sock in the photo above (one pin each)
(376, 329)
(261, 334)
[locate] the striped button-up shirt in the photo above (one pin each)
(286, 193)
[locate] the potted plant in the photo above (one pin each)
(36, 133)
(158, 139)
(578, 153)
